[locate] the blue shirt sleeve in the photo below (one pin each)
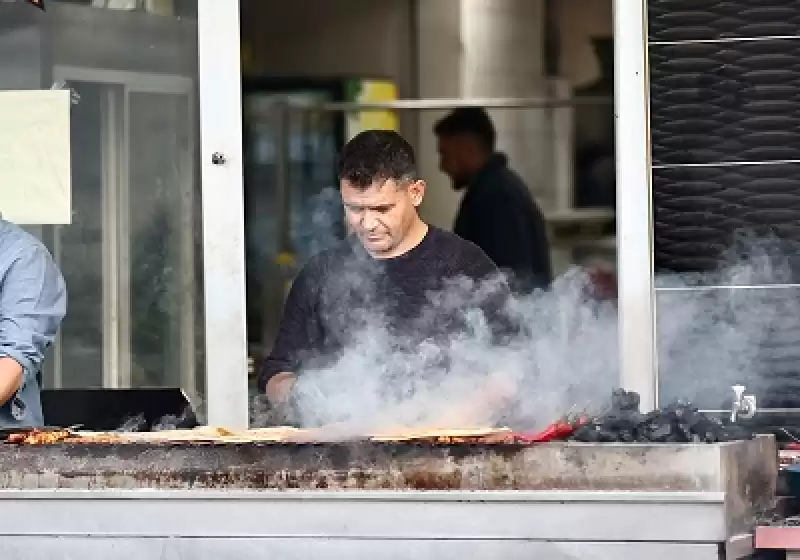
(33, 302)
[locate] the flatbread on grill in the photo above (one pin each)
(197, 435)
(280, 434)
(439, 434)
(262, 435)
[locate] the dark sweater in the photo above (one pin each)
(342, 294)
(498, 214)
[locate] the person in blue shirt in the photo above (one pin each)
(33, 302)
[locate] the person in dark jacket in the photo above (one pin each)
(498, 213)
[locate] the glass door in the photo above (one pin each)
(130, 255)
(81, 248)
(160, 216)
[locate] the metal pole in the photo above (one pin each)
(444, 104)
(111, 237)
(223, 213)
(282, 194)
(58, 346)
(563, 137)
(637, 342)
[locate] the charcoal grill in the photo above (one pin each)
(357, 500)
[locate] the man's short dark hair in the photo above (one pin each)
(474, 121)
(377, 155)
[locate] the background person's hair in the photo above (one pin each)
(377, 156)
(474, 121)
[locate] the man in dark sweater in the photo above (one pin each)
(498, 212)
(385, 276)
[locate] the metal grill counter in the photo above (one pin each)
(365, 499)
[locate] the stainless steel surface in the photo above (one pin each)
(198, 524)
(739, 546)
(732, 287)
(563, 516)
(222, 199)
(444, 104)
(739, 477)
(637, 338)
(87, 548)
(551, 501)
(364, 466)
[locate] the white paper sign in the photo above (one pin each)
(35, 173)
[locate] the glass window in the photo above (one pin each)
(132, 255)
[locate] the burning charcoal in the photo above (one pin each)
(589, 433)
(658, 431)
(168, 422)
(678, 422)
(187, 420)
(657, 427)
(596, 432)
(625, 400)
(704, 428)
(733, 433)
(136, 423)
(622, 424)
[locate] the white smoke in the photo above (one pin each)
(565, 358)
(739, 325)
(713, 330)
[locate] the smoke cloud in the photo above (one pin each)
(714, 330)
(564, 359)
(737, 325)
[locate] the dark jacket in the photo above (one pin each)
(498, 214)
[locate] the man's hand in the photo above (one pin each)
(11, 376)
(480, 407)
(499, 389)
(279, 387)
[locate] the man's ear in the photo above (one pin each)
(417, 192)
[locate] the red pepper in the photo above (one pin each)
(556, 431)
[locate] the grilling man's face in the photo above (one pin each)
(382, 214)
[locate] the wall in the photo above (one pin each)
(504, 48)
(439, 76)
(578, 22)
(361, 38)
(480, 48)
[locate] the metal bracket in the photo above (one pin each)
(744, 406)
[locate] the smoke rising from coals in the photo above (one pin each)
(737, 325)
(714, 330)
(564, 357)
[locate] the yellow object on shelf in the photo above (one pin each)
(372, 91)
(285, 259)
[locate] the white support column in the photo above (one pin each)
(223, 213)
(638, 368)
